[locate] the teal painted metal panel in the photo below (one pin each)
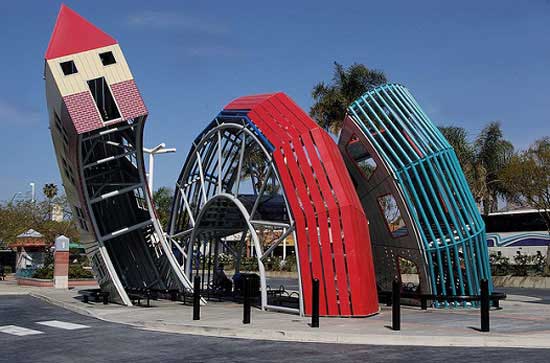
(433, 191)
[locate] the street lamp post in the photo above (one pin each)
(159, 149)
(33, 191)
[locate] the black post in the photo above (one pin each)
(105, 298)
(246, 301)
(484, 305)
(396, 305)
(496, 303)
(315, 304)
(424, 302)
(197, 298)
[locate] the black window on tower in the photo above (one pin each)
(107, 58)
(103, 99)
(68, 68)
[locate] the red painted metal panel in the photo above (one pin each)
(307, 205)
(333, 210)
(319, 219)
(331, 228)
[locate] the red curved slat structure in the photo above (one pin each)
(331, 230)
(330, 223)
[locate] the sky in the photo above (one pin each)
(466, 62)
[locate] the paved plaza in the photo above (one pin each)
(523, 321)
(41, 332)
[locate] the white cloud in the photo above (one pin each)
(173, 20)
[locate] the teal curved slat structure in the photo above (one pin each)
(421, 213)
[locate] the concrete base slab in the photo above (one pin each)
(524, 322)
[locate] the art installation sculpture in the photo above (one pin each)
(260, 174)
(96, 121)
(423, 218)
(263, 171)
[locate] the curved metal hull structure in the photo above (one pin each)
(421, 212)
(263, 164)
(96, 120)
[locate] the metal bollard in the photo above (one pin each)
(315, 304)
(396, 305)
(485, 303)
(197, 298)
(424, 303)
(246, 300)
(496, 303)
(105, 298)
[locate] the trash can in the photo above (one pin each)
(254, 283)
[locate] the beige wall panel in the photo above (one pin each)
(89, 66)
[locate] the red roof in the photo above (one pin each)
(74, 34)
(248, 102)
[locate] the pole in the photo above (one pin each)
(484, 305)
(396, 305)
(246, 302)
(150, 174)
(197, 298)
(284, 249)
(33, 192)
(424, 302)
(315, 304)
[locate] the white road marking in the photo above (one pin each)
(18, 331)
(62, 325)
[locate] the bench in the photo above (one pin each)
(140, 294)
(97, 294)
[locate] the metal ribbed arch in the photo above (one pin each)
(328, 223)
(426, 172)
(220, 148)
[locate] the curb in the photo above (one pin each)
(71, 307)
(367, 339)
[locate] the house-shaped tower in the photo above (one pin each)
(97, 118)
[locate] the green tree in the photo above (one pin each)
(527, 178)
(332, 100)
(162, 198)
(458, 138)
(16, 218)
(492, 154)
(50, 191)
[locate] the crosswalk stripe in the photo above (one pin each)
(62, 325)
(18, 331)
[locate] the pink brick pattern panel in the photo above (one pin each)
(129, 99)
(83, 112)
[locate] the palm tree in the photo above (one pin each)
(50, 191)
(482, 162)
(493, 153)
(348, 84)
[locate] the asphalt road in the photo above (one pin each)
(98, 341)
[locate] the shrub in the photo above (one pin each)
(76, 271)
(45, 272)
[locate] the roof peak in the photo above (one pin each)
(74, 34)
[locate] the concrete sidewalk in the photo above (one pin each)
(524, 322)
